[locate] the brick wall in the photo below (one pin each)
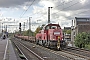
(83, 22)
(84, 28)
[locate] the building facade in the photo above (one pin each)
(80, 24)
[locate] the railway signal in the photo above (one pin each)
(20, 27)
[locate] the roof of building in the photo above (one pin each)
(82, 17)
(67, 27)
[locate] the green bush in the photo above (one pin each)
(82, 39)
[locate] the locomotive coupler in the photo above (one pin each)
(58, 44)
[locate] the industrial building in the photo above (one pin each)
(79, 24)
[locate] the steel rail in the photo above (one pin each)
(20, 51)
(77, 54)
(85, 57)
(32, 52)
(63, 55)
(55, 52)
(78, 49)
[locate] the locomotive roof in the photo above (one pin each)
(51, 25)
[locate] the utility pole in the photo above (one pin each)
(49, 14)
(2, 27)
(29, 26)
(6, 28)
(23, 29)
(24, 26)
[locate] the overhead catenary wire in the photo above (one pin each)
(64, 3)
(65, 7)
(71, 6)
(23, 11)
(54, 7)
(68, 7)
(74, 5)
(78, 13)
(26, 9)
(81, 12)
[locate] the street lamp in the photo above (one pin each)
(49, 14)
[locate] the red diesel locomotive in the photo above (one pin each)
(51, 36)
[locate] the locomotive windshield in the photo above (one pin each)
(51, 26)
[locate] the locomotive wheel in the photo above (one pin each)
(37, 42)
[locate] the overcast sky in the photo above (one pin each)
(63, 11)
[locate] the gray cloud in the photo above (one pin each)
(72, 5)
(75, 7)
(15, 3)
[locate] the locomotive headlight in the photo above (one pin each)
(58, 37)
(53, 39)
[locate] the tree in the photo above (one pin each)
(37, 30)
(67, 31)
(88, 39)
(82, 39)
(26, 33)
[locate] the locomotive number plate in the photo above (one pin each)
(56, 33)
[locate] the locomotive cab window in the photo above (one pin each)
(47, 28)
(58, 27)
(53, 27)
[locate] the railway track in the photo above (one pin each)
(19, 52)
(79, 52)
(67, 54)
(64, 53)
(26, 53)
(42, 51)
